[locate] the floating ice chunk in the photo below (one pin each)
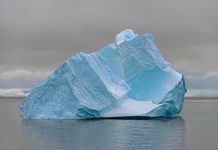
(125, 78)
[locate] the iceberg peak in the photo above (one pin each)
(126, 78)
(125, 35)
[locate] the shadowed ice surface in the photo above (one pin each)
(194, 129)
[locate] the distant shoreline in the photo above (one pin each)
(12, 96)
(199, 98)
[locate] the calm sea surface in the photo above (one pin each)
(195, 129)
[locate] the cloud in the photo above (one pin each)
(13, 92)
(203, 81)
(23, 73)
(19, 78)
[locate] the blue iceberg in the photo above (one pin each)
(127, 78)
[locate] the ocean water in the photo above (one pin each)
(195, 128)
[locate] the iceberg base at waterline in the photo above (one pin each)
(127, 78)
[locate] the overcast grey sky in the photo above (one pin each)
(36, 36)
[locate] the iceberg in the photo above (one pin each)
(127, 78)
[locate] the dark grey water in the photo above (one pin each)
(196, 128)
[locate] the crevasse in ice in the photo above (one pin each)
(126, 78)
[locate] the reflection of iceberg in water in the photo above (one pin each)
(104, 134)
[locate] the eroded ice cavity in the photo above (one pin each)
(125, 78)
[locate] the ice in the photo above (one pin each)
(125, 78)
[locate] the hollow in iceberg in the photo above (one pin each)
(126, 78)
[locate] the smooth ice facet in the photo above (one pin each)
(125, 78)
